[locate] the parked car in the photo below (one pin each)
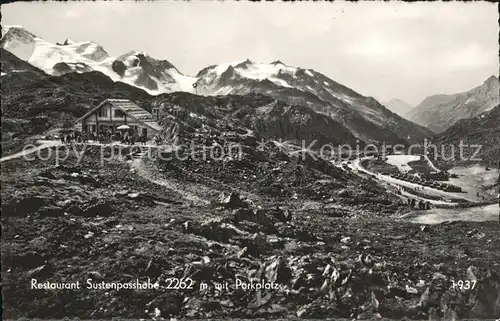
(51, 137)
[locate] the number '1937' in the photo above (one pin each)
(464, 284)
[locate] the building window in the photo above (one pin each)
(103, 112)
(119, 113)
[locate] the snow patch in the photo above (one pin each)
(261, 71)
(280, 82)
(310, 89)
(13, 26)
(401, 161)
(184, 83)
(223, 91)
(257, 71)
(219, 69)
(341, 96)
(470, 99)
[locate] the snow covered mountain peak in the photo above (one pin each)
(66, 42)
(237, 76)
(45, 55)
(277, 62)
(16, 31)
(250, 69)
(244, 64)
(218, 79)
(135, 67)
(18, 40)
(306, 87)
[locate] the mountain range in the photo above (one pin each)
(439, 112)
(364, 117)
(135, 68)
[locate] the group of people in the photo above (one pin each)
(84, 137)
(124, 138)
(131, 139)
(413, 203)
(104, 137)
(75, 137)
(421, 205)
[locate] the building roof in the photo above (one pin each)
(131, 109)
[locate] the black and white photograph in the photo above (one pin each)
(232, 160)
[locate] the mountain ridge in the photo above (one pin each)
(483, 130)
(365, 117)
(439, 112)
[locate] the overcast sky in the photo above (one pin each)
(380, 49)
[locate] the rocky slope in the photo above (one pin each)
(398, 106)
(254, 114)
(327, 239)
(483, 129)
(439, 112)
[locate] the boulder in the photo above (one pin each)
(343, 193)
(94, 275)
(37, 271)
(262, 219)
(258, 245)
(47, 174)
(279, 214)
(243, 214)
(167, 305)
(231, 201)
(217, 230)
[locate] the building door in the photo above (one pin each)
(145, 132)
